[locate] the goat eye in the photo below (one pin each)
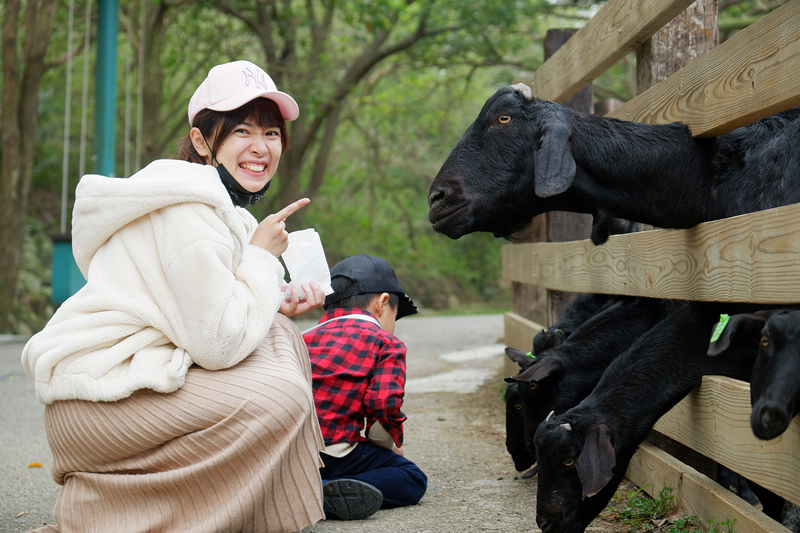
(569, 463)
(517, 406)
(532, 385)
(504, 119)
(764, 341)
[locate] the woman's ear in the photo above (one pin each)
(199, 143)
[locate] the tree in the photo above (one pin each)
(322, 51)
(25, 40)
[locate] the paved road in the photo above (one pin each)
(453, 362)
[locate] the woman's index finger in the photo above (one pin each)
(290, 209)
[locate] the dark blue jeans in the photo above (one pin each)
(401, 481)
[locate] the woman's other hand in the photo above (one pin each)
(314, 298)
(271, 232)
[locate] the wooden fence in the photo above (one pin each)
(748, 258)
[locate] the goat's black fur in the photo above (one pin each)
(580, 467)
(582, 308)
(522, 157)
(566, 374)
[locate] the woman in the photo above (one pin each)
(177, 392)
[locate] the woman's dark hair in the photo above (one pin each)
(358, 301)
(217, 125)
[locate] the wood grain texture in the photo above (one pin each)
(748, 77)
(747, 258)
(714, 420)
(613, 32)
(653, 469)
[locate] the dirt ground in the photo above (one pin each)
(459, 441)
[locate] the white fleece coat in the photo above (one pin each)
(171, 280)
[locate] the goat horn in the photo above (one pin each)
(524, 89)
(549, 416)
(566, 426)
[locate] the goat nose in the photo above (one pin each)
(772, 417)
(436, 195)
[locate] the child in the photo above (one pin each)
(358, 370)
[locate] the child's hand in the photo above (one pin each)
(271, 233)
(314, 298)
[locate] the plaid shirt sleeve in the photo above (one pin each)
(358, 373)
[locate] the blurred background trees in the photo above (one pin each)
(385, 88)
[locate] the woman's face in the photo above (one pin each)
(251, 154)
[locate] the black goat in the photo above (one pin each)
(523, 156)
(583, 454)
(566, 374)
(775, 382)
(583, 307)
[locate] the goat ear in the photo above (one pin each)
(553, 163)
(518, 356)
(597, 461)
(743, 325)
(546, 367)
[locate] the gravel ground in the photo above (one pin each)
(455, 432)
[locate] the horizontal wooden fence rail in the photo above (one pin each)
(720, 412)
(748, 258)
(696, 494)
(615, 31)
(748, 77)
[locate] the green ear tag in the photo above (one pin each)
(529, 354)
(723, 321)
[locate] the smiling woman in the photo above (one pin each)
(173, 382)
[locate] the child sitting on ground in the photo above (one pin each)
(358, 370)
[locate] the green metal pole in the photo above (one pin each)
(106, 86)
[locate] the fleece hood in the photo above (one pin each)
(104, 205)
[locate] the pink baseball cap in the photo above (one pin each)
(231, 85)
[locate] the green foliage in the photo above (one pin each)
(374, 199)
(727, 524)
(685, 525)
(640, 509)
(642, 512)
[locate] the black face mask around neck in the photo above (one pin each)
(241, 197)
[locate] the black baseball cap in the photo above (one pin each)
(370, 275)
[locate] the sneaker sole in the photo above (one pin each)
(350, 499)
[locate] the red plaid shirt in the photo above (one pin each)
(359, 372)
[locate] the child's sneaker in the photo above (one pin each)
(350, 499)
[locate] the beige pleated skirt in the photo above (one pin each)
(233, 450)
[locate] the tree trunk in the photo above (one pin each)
(24, 64)
(688, 36)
